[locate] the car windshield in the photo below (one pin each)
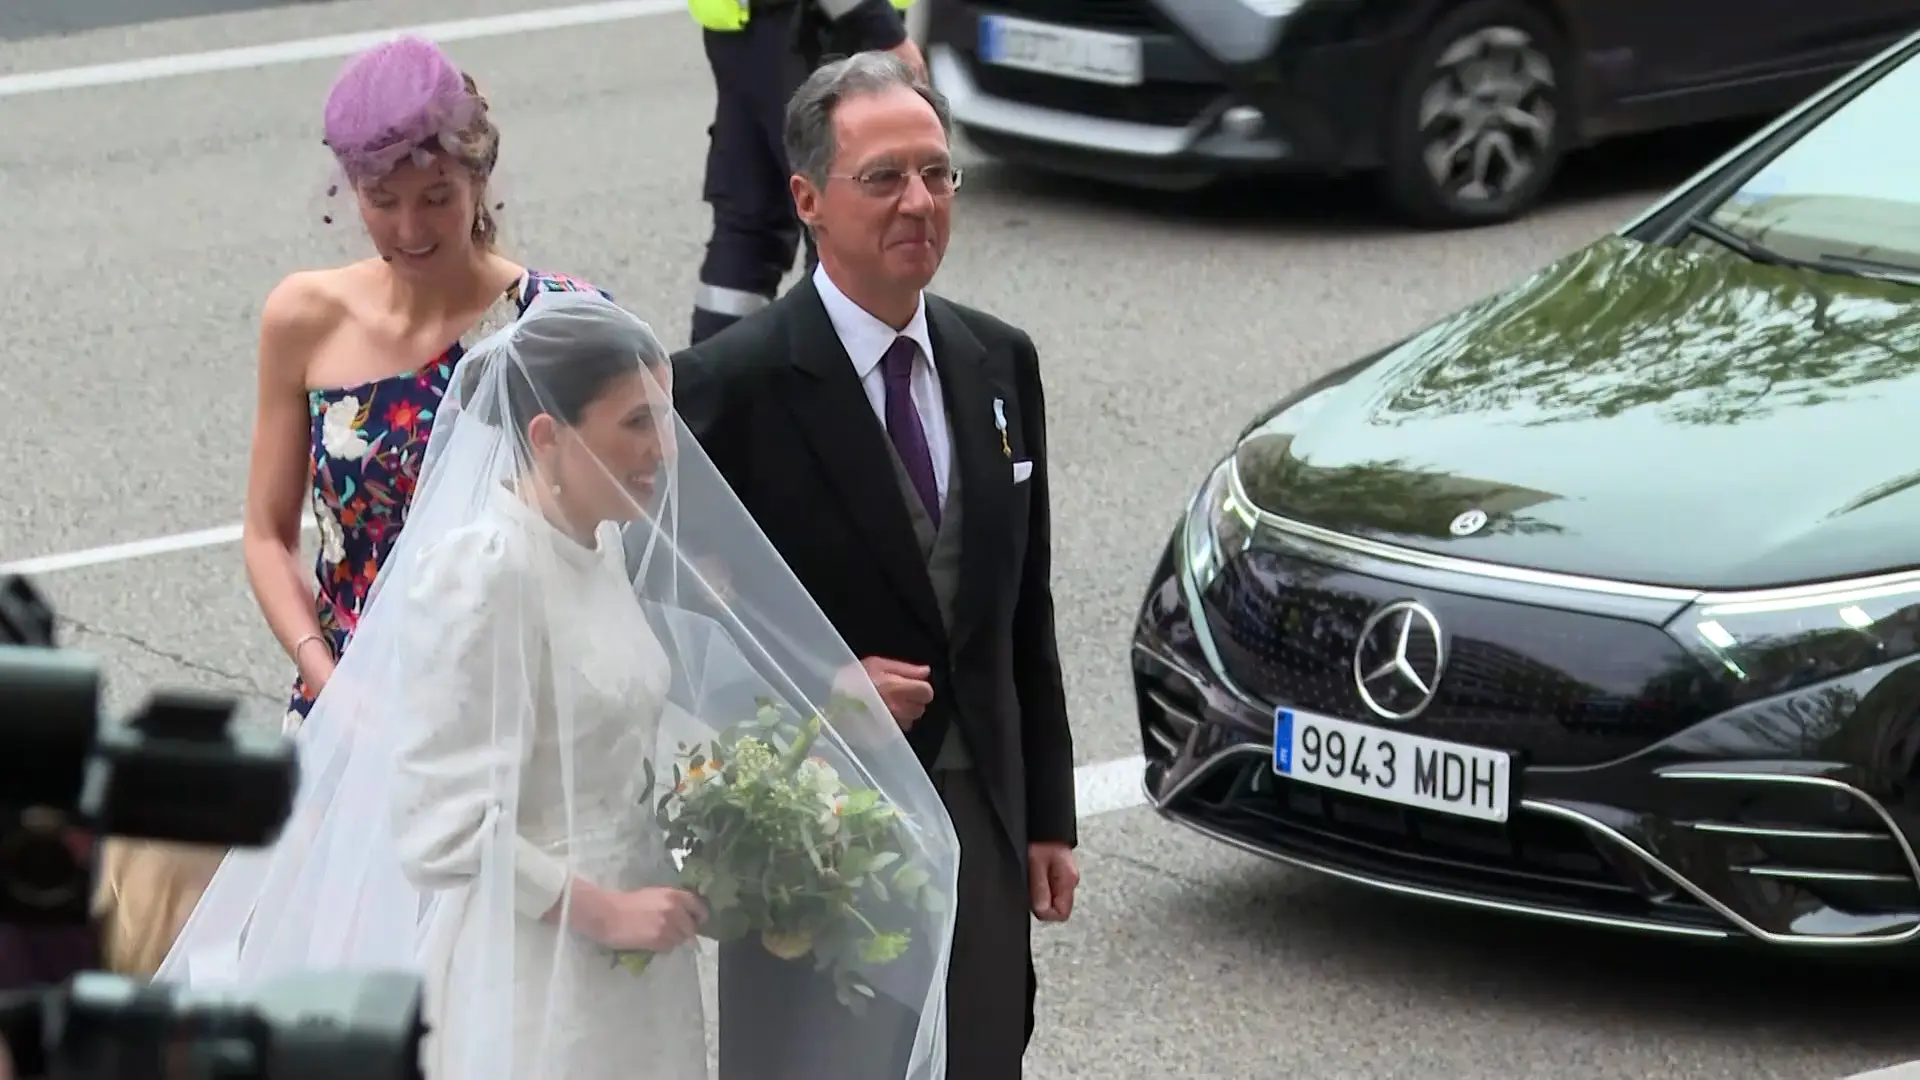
(1846, 194)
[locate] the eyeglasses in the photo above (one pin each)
(889, 182)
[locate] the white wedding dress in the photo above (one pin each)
(577, 1015)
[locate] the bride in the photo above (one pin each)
(481, 775)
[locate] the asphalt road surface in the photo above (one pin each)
(27, 19)
(143, 221)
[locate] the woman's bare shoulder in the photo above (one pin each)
(301, 314)
(310, 303)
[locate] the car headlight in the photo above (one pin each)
(1780, 641)
(1220, 525)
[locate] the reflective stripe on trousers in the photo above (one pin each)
(733, 303)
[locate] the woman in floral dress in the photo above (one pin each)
(354, 360)
(353, 363)
(367, 441)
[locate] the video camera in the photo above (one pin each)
(175, 771)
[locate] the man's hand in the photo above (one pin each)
(909, 54)
(902, 686)
(1052, 876)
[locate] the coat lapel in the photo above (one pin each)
(833, 411)
(986, 474)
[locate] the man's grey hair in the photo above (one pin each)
(811, 147)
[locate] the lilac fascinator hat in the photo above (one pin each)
(397, 101)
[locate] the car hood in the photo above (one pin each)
(1630, 412)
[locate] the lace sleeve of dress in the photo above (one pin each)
(474, 643)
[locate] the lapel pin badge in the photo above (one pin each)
(1000, 421)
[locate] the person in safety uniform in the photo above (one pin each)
(760, 52)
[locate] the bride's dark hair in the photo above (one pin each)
(556, 366)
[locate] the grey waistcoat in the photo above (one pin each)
(941, 548)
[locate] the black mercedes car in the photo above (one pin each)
(1463, 109)
(1600, 599)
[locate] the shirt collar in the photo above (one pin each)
(866, 338)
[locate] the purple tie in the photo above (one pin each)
(903, 423)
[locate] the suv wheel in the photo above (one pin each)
(1477, 129)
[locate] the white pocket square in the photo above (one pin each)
(1021, 471)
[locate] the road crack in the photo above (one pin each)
(1143, 865)
(238, 681)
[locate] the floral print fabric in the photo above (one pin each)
(368, 444)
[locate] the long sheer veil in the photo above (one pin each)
(584, 672)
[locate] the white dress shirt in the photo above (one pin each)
(867, 340)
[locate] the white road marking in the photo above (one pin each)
(147, 69)
(132, 549)
(1109, 786)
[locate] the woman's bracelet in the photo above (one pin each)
(304, 641)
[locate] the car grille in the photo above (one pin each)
(1160, 104)
(1561, 688)
(1785, 842)
(1530, 859)
(1094, 14)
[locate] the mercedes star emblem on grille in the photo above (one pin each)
(1398, 660)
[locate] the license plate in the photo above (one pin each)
(1380, 763)
(1087, 55)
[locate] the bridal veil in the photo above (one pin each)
(583, 667)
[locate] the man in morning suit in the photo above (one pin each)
(892, 446)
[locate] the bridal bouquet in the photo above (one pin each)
(778, 844)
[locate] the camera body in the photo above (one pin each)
(176, 770)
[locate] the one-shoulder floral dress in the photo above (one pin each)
(368, 444)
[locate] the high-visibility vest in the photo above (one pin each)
(729, 15)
